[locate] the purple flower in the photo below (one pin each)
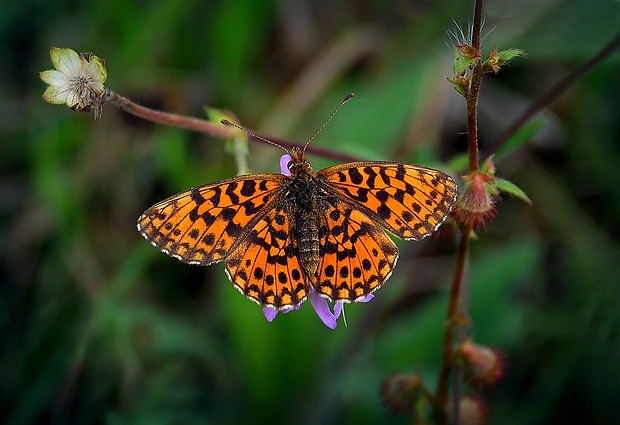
(270, 313)
(284, 160)
(321, 307)
(320, 304)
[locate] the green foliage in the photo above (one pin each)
(98, 327)
(512, 189)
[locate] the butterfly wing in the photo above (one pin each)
(204, 224)
(356, 256)
(409, 200)
(265, 266)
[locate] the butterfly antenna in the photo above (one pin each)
(237, 126)
(340, 105)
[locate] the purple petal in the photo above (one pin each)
(270, 313)
(365, 298)
(321, 307)
(284, 160)
(338, 309)
(293, 308)
(339, 306)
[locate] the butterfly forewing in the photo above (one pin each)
(409, 200)
(203, 224)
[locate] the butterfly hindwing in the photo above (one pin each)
(356, 256)
(265, 266)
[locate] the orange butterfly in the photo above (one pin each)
(283, 237)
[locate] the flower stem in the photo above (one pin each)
(456, 308)
(213, 129)
(453, 317)
(472, 118)
(552, 94)
(175, 120)
(477, 25)
(474, 91)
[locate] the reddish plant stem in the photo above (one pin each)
(455, 309)
(552, 94)
(474, 91)
(214, 129)
(472, 117)
(453, 315)
(477, 25)
(175, 120)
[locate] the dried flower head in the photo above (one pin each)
(472, 411)
(476, 207)
(77, 80)
(483, 365)
(399, 391)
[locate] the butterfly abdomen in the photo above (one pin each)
(302, 194)
(308, 241)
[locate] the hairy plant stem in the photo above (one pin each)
(472, 117)
(456, 309)
(175, 120)
(214, 129)
(453, 316)
(474, 91)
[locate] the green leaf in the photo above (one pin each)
(507, 55)
(462, 62)
(216, 115)
(457, 85)
(513, 189)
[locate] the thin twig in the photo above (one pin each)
(175, 120)
(320, 74)
(477, 25)
(551, 95)
(456, 309)
(474, 91)
(453, 312)
(215, 129)
(472, 117)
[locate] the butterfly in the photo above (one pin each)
(280, 235)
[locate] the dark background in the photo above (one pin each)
(99, 327)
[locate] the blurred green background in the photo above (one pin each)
(98, 327)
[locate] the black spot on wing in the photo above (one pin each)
(248, 187)
(356, 176)
(230, 192)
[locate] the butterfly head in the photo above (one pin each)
(298, 162)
